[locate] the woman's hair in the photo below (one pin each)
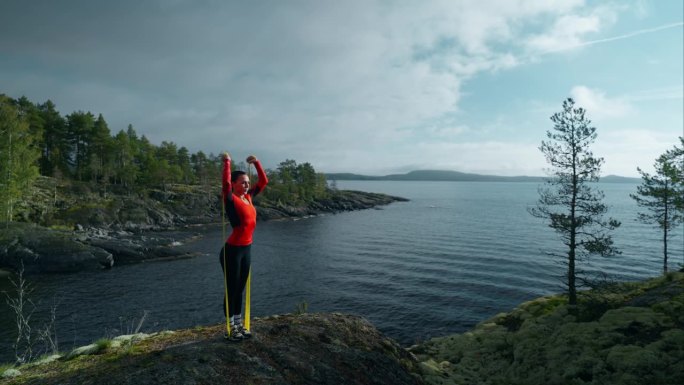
(236, 174)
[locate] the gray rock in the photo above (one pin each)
(48, 359)
(42, 250)
(83, 351)
(11, 373)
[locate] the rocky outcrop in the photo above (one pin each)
(290, 349)
(133, 247)
(338, 201)
(626, 334)
(41, 250)
(175, 206)
(69, 204)
(116, 227)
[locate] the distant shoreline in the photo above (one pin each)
(455, 176)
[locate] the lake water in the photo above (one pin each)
(456, 254)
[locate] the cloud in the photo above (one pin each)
(568, 32)
(657, 94)
(487, 157)
(348, 85)
(598, 105)
(626, 149)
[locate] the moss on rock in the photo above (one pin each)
(626, 334)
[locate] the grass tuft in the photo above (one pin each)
(301, 308)
(103, 344)
(4, 367)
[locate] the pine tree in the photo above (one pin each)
(54, 157)
(125, 170)
(662, 195)
(79, 134)
(184, 165)
(572, 206)
(676, 157)
(201, 168)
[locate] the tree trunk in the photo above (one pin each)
(572, 290)
(665, 248)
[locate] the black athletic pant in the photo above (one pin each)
(239, 260)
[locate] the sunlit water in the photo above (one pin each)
(456, 254)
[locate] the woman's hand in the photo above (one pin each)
(251, 159)
(226, 156)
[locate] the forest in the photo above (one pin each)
(81, 148)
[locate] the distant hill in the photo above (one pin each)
(455, 176)
(619, 179)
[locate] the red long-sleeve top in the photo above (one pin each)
(241, 214)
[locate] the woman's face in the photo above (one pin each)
(241, 185)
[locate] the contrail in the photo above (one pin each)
(635, 33)
(625, 36)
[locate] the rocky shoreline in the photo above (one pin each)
(100, 233)
(628, 333)
(38, 250)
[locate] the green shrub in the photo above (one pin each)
(301, 308)
(103, 344)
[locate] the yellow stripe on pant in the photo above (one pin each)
(247, 299)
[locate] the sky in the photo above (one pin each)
(370, 87)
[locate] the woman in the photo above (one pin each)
(236, 253)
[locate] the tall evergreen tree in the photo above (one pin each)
(676, 158)
(30, 113)
(184, 165)
(54, 155)
(168, 170)
(571, 205)
(150, 166)
(660, 194)
(79, 134)
(101, 153)
(130, 131)
(18, 158)
(200, 167)
(138, 146)
(125, 170)
(306, 181)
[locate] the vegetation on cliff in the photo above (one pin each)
(52, 202)
(629, 333)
